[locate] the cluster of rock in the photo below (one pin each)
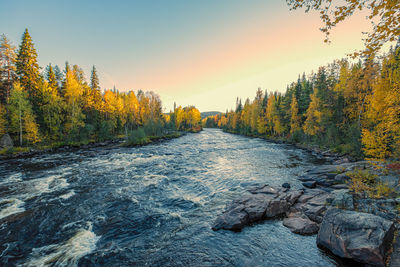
(360, 229)
(262, 203)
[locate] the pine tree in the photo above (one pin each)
(27, 66)
(94, 80)
(51, 78)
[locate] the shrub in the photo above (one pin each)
(138, 137)
(362, 181)
(394, 166)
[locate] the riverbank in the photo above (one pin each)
(27, 152)
(320, 152)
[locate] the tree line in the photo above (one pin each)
(62, 107)
(351, 108)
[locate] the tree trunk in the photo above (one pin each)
(20, 125)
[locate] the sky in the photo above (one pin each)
(203, 53)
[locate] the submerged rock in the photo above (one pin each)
(355, 235)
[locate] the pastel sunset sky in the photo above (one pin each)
(203, 53)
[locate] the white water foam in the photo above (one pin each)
(66, 254)
(13, 178)
(68, 195)
(11, 206)
(29, 189)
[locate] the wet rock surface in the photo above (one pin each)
(298, 223)
(264, 202)
(355, 235)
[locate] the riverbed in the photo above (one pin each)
(149, 206)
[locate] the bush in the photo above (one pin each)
(362, 181)
(138, 137)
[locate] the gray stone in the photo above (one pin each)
(314, 213)
(309, 194)
(310, 184)
(6, 141)
(339, 186)
(355, 235)
(341, 178)
(234, 219)
(299, 224)
(343, 200)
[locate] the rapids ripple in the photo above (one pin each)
(152, 205)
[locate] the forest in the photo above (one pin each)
(351, 108)
(51, 107)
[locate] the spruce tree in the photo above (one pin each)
(27, 66)
(94, 80)
(51, 78)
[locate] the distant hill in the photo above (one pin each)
(209, 113)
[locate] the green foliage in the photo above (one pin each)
(138, 137)
(105, 131)
(153, 128)
(22, 120)
(3, 120)
(28, 67)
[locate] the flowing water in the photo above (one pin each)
(149, 206)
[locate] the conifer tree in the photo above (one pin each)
(51, 78)
(27, 66)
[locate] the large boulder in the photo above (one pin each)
(6, 141)
(264, 202)
(362, 237)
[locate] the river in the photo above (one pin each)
(149, 206)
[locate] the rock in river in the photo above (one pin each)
(362, 237)
(263, 203)
(299, 223)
